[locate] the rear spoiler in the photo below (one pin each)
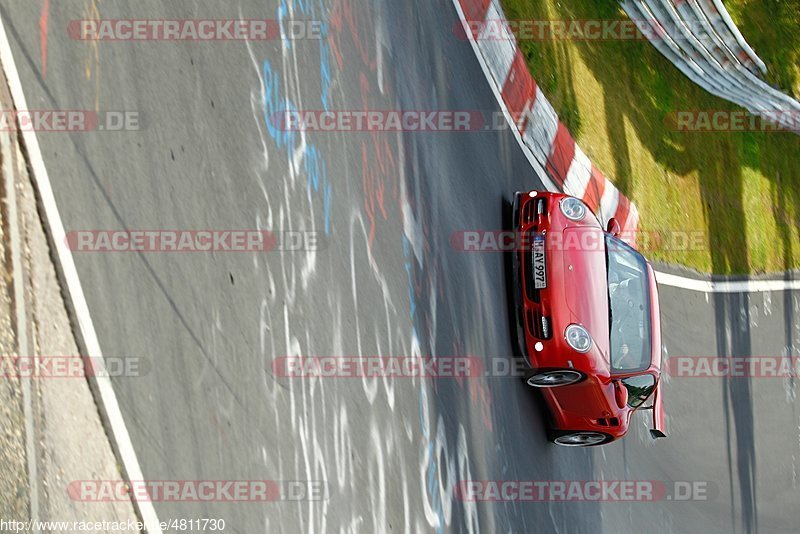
(658, 414)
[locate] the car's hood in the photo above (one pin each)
(579, 292)
(586, 285)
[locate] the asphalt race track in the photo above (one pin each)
(384, 280)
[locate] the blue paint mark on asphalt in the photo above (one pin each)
(276, 104)
(431, 472)
(274, 108)
(325, 65)
(314, 165)
(411, 296)
(424, 423)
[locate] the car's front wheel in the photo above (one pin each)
(585, 438)
(554, 378)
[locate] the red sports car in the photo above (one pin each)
(588, 320)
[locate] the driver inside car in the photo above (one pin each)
(621, 299)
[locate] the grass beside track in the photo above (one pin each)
(736, 193)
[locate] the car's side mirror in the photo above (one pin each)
(613, 227)
(621, 394)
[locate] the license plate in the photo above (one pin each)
(539, 269)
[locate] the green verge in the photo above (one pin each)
(736, 193)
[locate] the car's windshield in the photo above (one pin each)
(629, 307)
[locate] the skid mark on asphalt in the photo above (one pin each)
(91, 62)
(44, 17)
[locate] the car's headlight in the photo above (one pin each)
(578, 338)
(573, 209)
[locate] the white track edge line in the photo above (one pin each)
(726, 286)
(103, 382)
(705, 286)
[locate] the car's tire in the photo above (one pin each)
(580, 438)
(554, 378)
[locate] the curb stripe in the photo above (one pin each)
(595, 189)
(579, 175)
(519, 90)
(531, 115)
(608, 204)
(536, 142)
(561, 155)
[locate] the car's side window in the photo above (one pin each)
(639, 387)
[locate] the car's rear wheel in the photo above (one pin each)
(554, 378)
(583, 438)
